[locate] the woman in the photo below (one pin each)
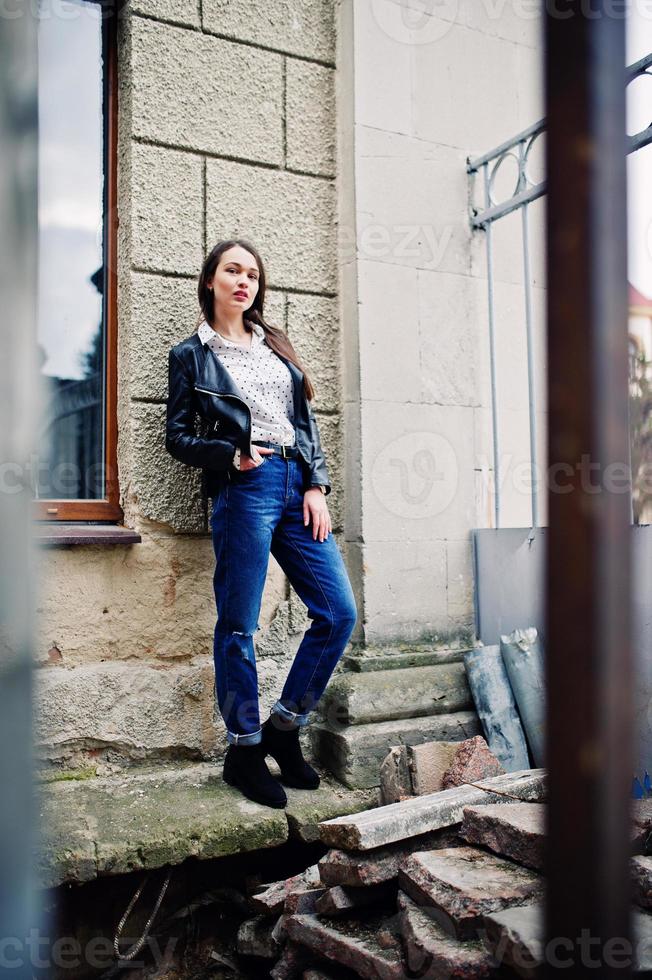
(263, 466)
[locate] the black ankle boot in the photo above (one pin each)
(245, 768)
(282, 743)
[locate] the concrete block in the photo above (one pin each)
(355, 754)
(302, 27)
(473, 760)
(352, 943)
(515, 936)
(131, 710)
(166, 491)
(423, 814)
(461, 884)
(356, 699)
(291, 214)
(167, 210)
(163, 312)
(254, 938)
(428, 763)
(175, 11)
(341, 898)
(198, 91)
(516, 831)
(431, 951)
(310, 117)
(342, 868)
(313, 328)
(395, 782)
(641, 870)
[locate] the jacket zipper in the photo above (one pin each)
(223, 394)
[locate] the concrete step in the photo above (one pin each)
(355, 753)
(150, 816)
(396, 657)
(513, 830)
(387, 695)
(430, 951)
(461, 884)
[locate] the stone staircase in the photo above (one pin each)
(390, 696)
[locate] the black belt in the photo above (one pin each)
(288, 452)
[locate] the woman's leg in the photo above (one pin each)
(318, 574)
(242, 521)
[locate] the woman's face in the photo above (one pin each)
(236, 280)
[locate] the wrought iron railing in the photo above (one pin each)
(526, 190)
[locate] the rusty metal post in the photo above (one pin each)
(589, 664)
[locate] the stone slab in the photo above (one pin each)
(354, 754)
(516, 831)
(516, 939)
(344, 868)
(387, 695)
(255, 938)
(422, 814)
(306, 808)
(270, 899)
(341, 898)
(364, 944)
(149, 816)
(430, 951)
(461, 884)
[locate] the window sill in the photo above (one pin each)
(49, 534)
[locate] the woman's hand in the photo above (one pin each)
(249, 462)
(315, 506)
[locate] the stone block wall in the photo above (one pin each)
(226, 128)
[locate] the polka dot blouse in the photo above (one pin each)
(263, 379)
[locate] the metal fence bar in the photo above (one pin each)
(18, 408)
(587, 586)
(492, 361)
(534, 492)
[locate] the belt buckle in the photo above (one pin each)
(283, 452)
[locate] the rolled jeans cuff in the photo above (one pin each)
(288, 715)
(249, 738)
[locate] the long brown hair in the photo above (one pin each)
(276, 338)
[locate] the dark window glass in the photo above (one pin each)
(71, 210)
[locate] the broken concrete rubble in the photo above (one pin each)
(414, 770)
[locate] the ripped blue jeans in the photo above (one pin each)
(258, 512)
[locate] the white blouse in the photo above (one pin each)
(263, 379)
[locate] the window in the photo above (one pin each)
(75, 477)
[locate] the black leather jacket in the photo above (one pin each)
(208, 418)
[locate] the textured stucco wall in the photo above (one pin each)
(226, 127)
